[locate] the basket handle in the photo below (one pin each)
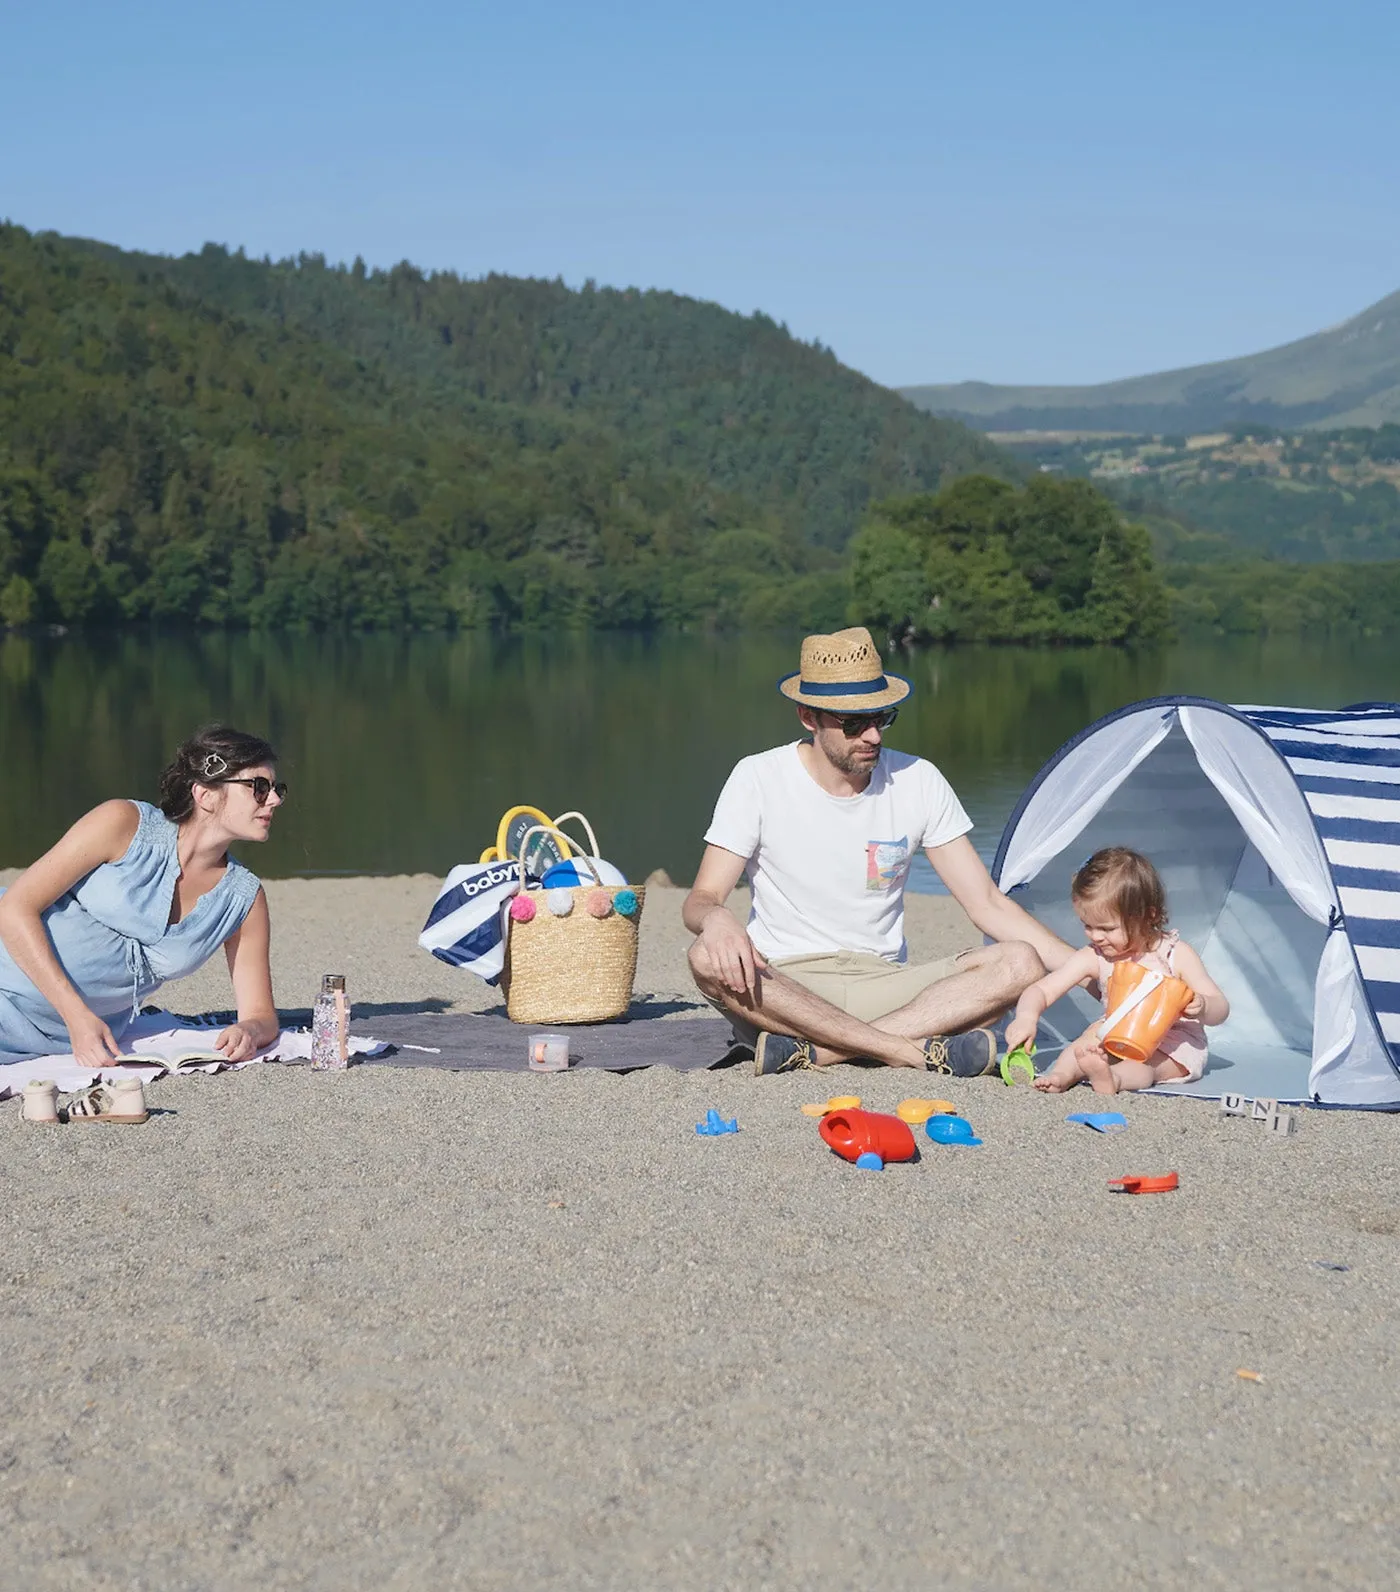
(553, 829)
(588, 830)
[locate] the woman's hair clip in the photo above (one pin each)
(214, 766)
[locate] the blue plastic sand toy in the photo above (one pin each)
(870, 1162)
(714, 1125)
(950, 1130)
(1100, 1121)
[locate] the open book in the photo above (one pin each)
(191, 1060)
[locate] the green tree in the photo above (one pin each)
(984, 561)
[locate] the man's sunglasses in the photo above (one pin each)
(261, 786)
(853, 724)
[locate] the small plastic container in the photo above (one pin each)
(548, 1052)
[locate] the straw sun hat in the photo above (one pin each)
(843, 674)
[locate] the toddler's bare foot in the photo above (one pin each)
(1098, 1072)
(1058, 1079)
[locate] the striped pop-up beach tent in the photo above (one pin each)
(1277, 833)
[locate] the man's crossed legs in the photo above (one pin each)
(850, 1004)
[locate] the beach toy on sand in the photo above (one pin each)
(1142, 1006)
(870, 1162)
(916, 1111)
(1016, 1065)
(714, 1125)
(855, 1133)
(1100, 1121)
(1137, 1183)
(836, 1103)
(951, 1130)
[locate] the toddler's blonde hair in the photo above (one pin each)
(1126, 882)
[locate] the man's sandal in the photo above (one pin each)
(970, 1055)
(780, 1053)
(123, 1100)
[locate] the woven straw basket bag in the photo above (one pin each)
(574, 968)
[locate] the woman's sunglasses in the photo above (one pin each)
(262, 787)
(853, 724)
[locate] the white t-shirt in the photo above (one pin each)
(828, 872)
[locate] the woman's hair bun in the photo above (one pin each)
(212, 754)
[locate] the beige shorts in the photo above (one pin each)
(866, 986)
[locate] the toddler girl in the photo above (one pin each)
(1118, 896)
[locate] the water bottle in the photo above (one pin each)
(330, 1025)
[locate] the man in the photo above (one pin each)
(826, 828)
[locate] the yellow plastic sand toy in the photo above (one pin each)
(916, 1111)
(836, 1103)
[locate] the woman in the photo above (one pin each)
(133, 896)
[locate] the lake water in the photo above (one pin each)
(402, 752)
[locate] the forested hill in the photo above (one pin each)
(217, 439)
(733, 399)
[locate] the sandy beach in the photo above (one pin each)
(421, 1329)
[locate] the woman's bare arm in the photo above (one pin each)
(249, 964)
(99, 836)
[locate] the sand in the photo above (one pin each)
(421, 1329)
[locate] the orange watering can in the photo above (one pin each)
(1142, 1006)
(855, 1133)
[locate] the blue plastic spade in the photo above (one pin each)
(1100, 1121)
(714, 1124)
(950, 1130)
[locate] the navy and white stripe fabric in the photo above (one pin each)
(466, 926)
(1347, 764)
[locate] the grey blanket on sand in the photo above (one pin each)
(463, 1041)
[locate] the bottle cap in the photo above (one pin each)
(332, 983)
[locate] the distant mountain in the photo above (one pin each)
(1347, 376)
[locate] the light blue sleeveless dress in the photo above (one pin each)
(115, 942)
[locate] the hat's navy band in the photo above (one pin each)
(857, 688)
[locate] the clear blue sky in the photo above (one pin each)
(1017, 192)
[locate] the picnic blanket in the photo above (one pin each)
(459, 1043)
(466, 1041)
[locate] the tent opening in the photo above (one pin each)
(1224, 900)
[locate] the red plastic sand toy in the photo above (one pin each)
(855, 1133)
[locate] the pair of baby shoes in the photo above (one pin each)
(122, 1100)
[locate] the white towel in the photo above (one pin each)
(162, 1037)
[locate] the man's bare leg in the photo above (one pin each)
(986, 983)
(780, 1005)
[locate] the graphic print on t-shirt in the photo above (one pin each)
(885, 863)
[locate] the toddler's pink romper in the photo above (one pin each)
(1185, 1041)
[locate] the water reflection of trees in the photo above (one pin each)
(402, 751)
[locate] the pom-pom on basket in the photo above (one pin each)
(576, 967)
